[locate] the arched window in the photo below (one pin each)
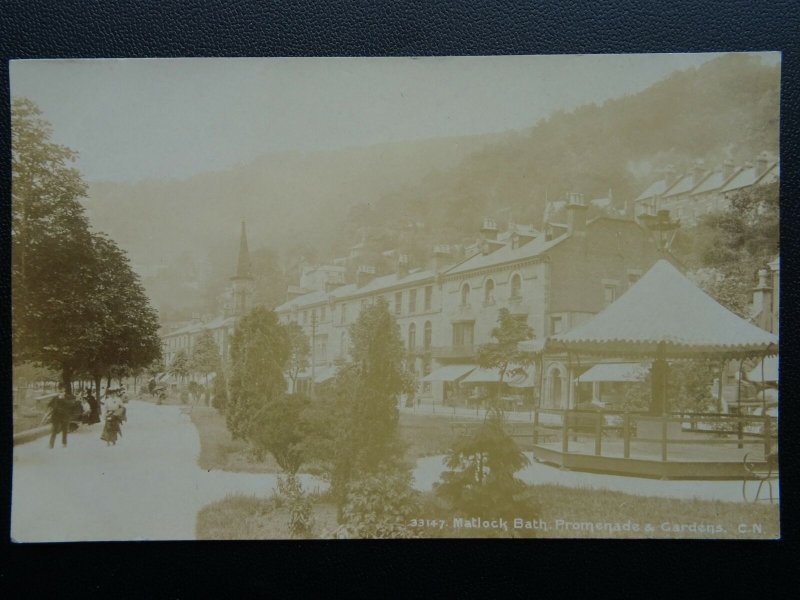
(464, 294)
(488, 291)
(516, 286)
(427, 336)
(412, 337)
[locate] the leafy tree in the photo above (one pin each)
(300, 351)
(279, 429)
(51, 249)
(366, 416)
(727, 248)
(205, 356)
(180, 365)
(259, 353)
(482, 466)
(78, 307)
(504, 354)
(125, 330)
(220, 389)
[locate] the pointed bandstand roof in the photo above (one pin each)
(665, 314)
(243, 268)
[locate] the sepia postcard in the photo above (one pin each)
(440, 297)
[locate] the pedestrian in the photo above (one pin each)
(115, 415)
(60, 415)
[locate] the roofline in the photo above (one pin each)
(329, 297)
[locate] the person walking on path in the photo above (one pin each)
(60, 416)
(115, 415)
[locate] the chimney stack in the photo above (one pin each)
(441, 258)
(576, 213)
(364, 275)
(489, 229)
(402, 265)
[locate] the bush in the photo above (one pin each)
(301, 523)
(481, 481)
(381, 505)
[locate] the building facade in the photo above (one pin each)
(554, 279)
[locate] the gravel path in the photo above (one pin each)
(147, 487)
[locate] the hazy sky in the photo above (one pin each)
(135, 119)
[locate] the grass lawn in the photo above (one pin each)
(239, 517)
(558, 512)
(218, 449)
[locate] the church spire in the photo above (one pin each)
(243, 270)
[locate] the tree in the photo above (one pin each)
(205, 357)
(125, 329)
(259, 353)
(504, 353)
(366, 436)
(51, 249)
(299, 352)
(727, 248)
(180, 365)
(78, 306)
(220, 390)
(482, 466)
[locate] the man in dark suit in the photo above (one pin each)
(61, 410)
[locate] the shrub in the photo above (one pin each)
(481, 479)
(291, 493)
(380, 505)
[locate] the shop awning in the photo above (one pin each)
(606, 372)
(449, 373)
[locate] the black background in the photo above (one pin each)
(171, 28)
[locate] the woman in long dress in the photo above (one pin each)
(115, 415)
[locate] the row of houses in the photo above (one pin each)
(555, 279)
(446, 309)
(699, 191)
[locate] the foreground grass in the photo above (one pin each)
(556, 512)
(218, 449)
(238, 517)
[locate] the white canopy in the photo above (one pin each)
(604, 372)
(665, 314)
(449, 373)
